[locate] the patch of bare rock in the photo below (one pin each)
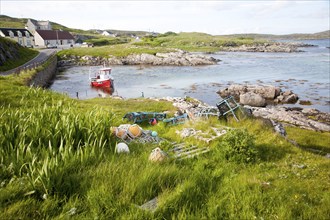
(258, 95)
(310, 119)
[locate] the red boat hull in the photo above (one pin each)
(103, 83)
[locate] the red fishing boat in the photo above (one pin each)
(101, 78)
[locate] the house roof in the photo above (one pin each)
(54, 35)
(6, 31)
(39, 23)
(35, 22)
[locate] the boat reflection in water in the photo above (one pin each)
(103, 91)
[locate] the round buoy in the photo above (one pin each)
(121, 133)
(154, 134)
(153, 121)
(134, 131)
(122, 148)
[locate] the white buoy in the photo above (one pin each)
(122, 148)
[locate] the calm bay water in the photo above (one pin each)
(306, 73)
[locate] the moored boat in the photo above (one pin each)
(101, 78)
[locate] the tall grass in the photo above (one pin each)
(41, 141)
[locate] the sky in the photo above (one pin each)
(214, 17)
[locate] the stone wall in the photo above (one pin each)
(44, 77)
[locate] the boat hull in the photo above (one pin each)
(101, 83)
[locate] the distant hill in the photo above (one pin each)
(6, 21)
(319, 35)
(82, 35)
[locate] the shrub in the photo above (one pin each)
(107, 41)
(169, 33)
(239, 146)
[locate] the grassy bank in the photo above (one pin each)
(57, 160)
(15, 54)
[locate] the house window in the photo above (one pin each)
(27, 34)
(19, 34)
(11, 34)
(20, 42)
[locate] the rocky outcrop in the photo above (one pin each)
(298, 117)
(258, 95)
(286, 97)
(178, 58)
(268, 47)
(252, 99)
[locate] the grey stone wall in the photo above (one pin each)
(44, 77)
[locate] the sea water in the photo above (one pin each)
(305, 73)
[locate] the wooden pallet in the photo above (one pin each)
(181, 151)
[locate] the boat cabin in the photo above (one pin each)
(102, 74)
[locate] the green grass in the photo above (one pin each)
(194, 41)
(20, 54)
(114, 50)
(9, 22)
(310, 140)
(57, 161)
(107, 41)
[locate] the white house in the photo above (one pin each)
(21, 36)
(33, 25)
(53, 37)
(108, 34)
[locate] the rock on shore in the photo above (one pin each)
(178, 58)
(258, 95)
(296, 116)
